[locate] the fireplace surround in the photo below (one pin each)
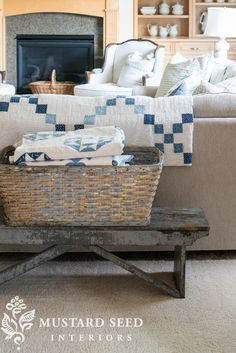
(103, 11)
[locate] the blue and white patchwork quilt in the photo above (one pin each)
(165, 122)
(83, 143)
(88, 147)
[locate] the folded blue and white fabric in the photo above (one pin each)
(70, 145)
(95, 161)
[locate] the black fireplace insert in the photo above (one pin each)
(38, 55)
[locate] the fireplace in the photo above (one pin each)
(38, 55)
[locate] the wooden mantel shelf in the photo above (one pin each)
(88, 7)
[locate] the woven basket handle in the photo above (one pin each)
(53, 80)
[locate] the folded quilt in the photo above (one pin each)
(61, 145)
(96, 161)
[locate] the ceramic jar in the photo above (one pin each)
(164, 8)
(178, 9)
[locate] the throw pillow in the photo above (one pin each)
(180, 69)
(134, 69)
(174, 75)
(226, 86)
(178, 58)
(206, 63)
(206, 87)
(230, 71)
(187, 86)
(223, 71)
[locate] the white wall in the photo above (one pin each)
(126, 20)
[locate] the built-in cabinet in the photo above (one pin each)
(190, 40)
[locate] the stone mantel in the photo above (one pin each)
(107, 9)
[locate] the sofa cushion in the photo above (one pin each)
(134, 69)
(103, 89)
(215, 105)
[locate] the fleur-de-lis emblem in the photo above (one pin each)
(17, 322)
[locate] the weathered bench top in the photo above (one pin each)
(177, 227)
(168, 226)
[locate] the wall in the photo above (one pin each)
(126, 20)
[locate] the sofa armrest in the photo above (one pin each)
(96, 78)
(149, 91)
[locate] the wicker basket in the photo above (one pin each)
(52, 87)
(72, 195)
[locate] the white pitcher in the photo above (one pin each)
(203, 21)
(152, 30)
(173, 31)
(164, 31)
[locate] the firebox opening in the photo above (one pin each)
(38, 55)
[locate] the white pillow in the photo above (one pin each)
(222, 71)
(179, 69)
(134, 69)
(178, 58)
(206, 63)
(226, 86)
(174, 75)
(187, 86)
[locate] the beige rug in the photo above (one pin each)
(204, 322)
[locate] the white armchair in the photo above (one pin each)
(105, 82)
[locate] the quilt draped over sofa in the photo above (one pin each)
(165, 122)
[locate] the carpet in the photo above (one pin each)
(107, 310)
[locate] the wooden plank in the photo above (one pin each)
(161, 219)
(160, 284)
(40, 236)
(168, 226)
(179, 269)
(34, 261)
(88, 7)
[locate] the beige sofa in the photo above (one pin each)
(211, 181)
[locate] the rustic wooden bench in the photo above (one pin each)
(175, 227)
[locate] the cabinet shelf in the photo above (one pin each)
(163, 16)
(167, 39)
(216, 4)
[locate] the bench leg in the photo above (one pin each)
(34, 261)
(157, 282)
(179, 269)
